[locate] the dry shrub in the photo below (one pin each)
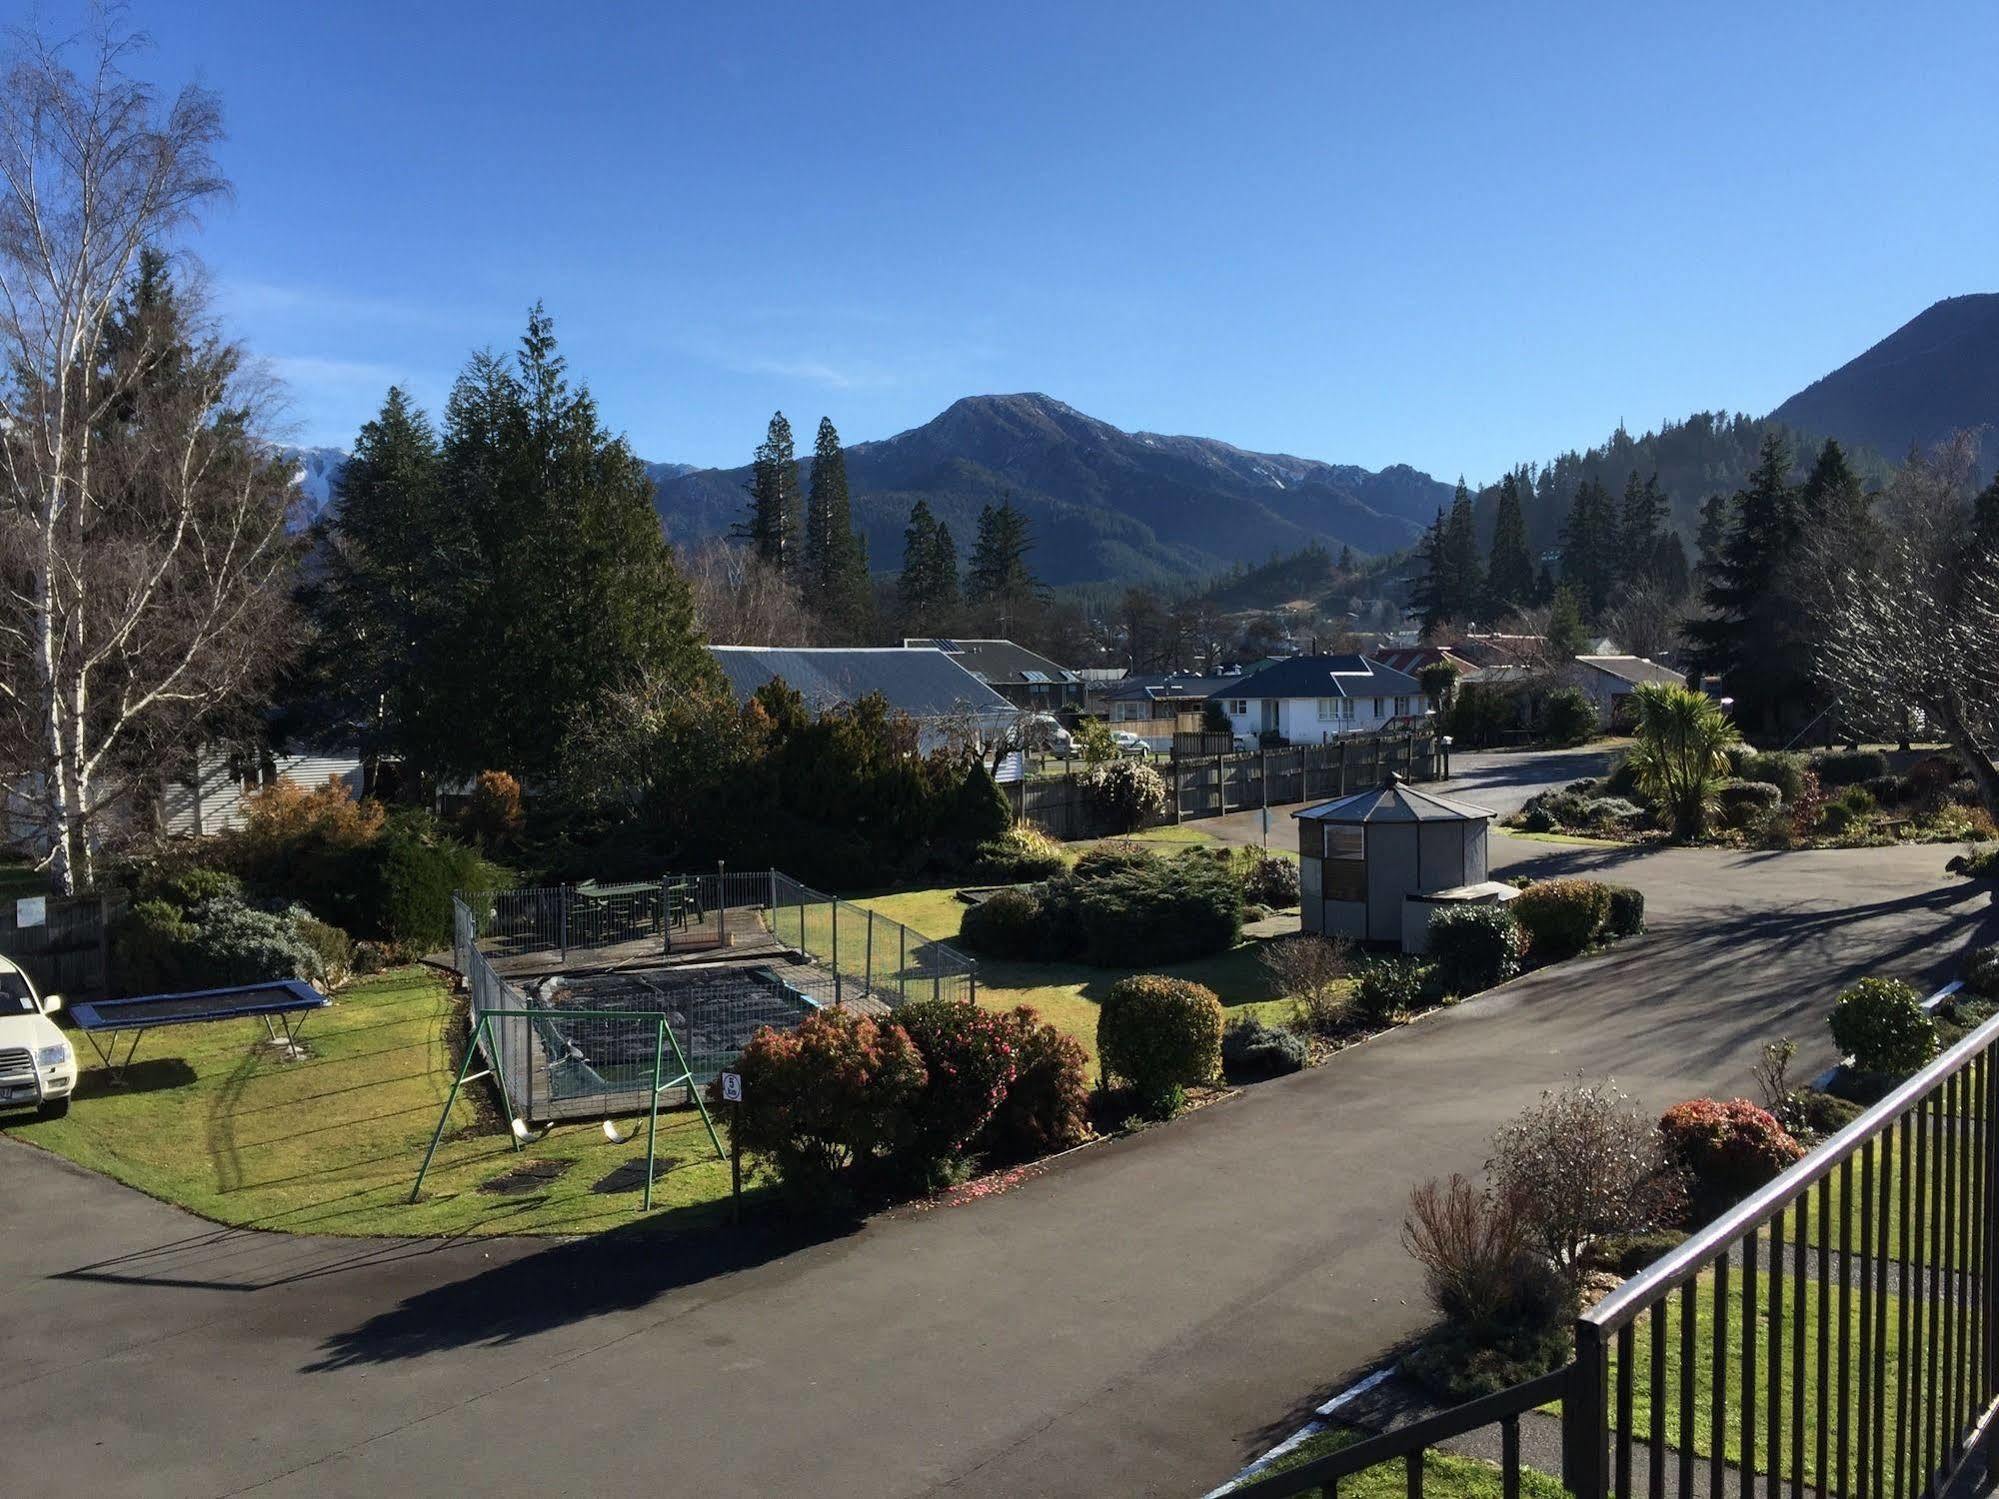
(493, 812)
(1470, 1244)
(1312, 971)
(284, 814)
(1583, 1163)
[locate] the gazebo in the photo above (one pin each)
(1373, 865)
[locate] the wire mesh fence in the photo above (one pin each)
(574, 976)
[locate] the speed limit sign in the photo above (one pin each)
(732, 1087)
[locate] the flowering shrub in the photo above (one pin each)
(1562, 917)
(1124, 793)
(833, 1095)
(1159, 1035)
(1047, 1107)
(969, 1057)
(1728, 1150)
(1881, 1024)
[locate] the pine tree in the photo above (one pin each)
(1464, 570)
(1833, 507)
(998, 582)
(927, 592)
(1429, 583)
(1589, 547)
(1510, 574)
(570, 592)
(771, 527)
(385, 600)
(1755, 629)
(1717, 514)
(1566, 637)
(836, 559)
(1641, 520)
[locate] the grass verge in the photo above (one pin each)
(331, 1144)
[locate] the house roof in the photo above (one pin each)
(1413, 658)
(1173, 685)
(1633, 669)
(1322, 676)
(999, 661)
(1395, 802)
(922, 683)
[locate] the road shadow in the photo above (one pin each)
(619, 1270)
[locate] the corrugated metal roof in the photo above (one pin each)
(924, 683)
(1325, 676)
(1395, 802)
(998, 660)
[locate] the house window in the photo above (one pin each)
(1349, 709)
(1238, 706)
(1329, 709)
(1345, 876)
(1401, 706)
(1379, 703)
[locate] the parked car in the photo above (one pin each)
(37, 1063)
(1044, 732)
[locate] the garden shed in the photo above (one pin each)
(1361, 858)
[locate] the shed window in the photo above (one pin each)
(1238, 706)
(1346, 863)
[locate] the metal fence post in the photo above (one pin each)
(972, 980)
(721, 904)
(562, 919)
(902, 961)
(836, 951)
(1585, 1429)
(868, 959)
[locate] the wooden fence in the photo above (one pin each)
(68, 952)
(1213, 785)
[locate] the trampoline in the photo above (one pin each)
(275, 1003)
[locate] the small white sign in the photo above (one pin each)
(31, 910)
(732, 1087)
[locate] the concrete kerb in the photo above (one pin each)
(1306, 1432)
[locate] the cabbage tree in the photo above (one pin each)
(1681, 757)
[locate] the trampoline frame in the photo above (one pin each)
(662, 1039)
(92, 1019)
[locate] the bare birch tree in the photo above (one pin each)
(141, 522)
(1909, 622)
(740, 599)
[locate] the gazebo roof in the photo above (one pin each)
(1395, 802)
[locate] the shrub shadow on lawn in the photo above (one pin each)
(619, 1270)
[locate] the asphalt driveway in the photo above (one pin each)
(1136, 1320)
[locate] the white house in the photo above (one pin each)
(211, 800)
(1610, 681)
(1313, 699)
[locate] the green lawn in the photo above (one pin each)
(331, 1144)
(1444, 1475)
(1731, 1446)
(1068, 993)
(1888, 1160)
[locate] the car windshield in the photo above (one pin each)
(14, 996)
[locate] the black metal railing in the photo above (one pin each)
(1835, 1332)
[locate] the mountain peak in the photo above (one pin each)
(1936, 373)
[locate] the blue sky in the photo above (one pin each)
(1451, 235)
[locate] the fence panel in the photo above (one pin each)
(69, 951)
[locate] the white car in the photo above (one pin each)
(1129, 743)
(37, 1063)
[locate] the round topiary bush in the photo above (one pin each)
(1744, 802)
(1562, 917)
(1981, 971)
(1159, 1035)
(1727, 1149)
(1627, 912)
(1006, 924)
(1882, 1025)
(1784, 769)
(1849, 767)
(1568, 718)
(1474, 947)
(1251, 1049)
(1388, 986)
(1124, 793)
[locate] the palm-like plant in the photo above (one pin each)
(1681, 757)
